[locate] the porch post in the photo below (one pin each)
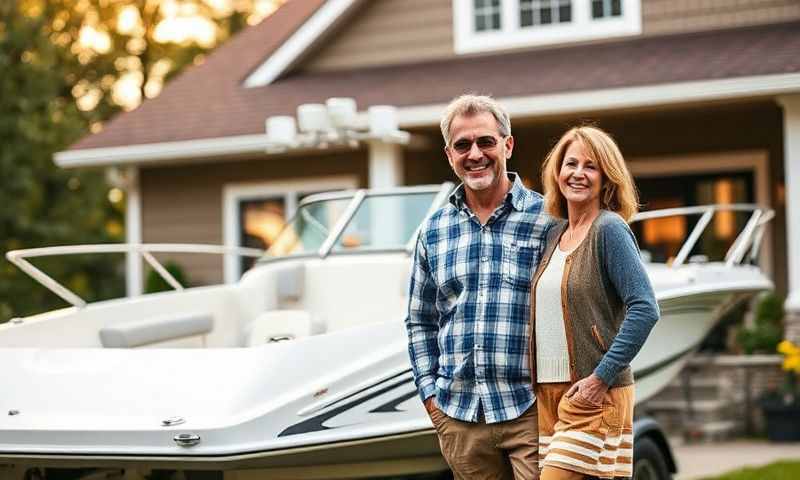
(791, 162)
(133, 232)
(385, 171)
(385, 164)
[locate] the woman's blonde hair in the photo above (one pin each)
(618, 192)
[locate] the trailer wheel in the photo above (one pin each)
(648, 461)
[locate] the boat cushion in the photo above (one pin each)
(280, 325)
(155, 329)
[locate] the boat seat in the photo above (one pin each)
(281, 325)
(155, 329)
(291, 280)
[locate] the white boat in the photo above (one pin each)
(298, 370)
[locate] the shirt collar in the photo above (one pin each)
(516, 195)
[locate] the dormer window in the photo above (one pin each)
(487, 25)
(544, 12)
(606, 8)
(487, 15)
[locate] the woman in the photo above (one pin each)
(592, 308)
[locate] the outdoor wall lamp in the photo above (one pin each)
(337, 122)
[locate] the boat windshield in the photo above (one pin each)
(357, 221)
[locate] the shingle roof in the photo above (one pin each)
(209, 101)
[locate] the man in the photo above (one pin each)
(468, 319)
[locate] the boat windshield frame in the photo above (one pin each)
(357, 198)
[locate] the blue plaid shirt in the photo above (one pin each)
(469, 306)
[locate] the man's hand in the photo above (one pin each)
(591, 389)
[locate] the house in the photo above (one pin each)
(703, 98)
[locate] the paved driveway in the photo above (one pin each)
(710, 459)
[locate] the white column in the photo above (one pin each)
(385, 164)
(385, 171)
(133, 231)
(791, 162)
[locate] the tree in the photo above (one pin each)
(67, 66)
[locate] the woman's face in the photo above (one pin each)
(580, 178)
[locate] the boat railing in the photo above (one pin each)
(144, 250)
(748, 240)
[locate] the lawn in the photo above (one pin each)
(785, 470)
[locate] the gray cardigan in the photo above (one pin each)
(607, 300)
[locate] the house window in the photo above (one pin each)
(260, 222)
(254, 214)
(606, 8)
(544, 12)
(487, 25)
(487, 15)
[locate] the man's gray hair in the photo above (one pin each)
(469, 105)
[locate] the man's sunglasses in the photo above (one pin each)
(485, 143)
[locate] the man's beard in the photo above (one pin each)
(481, 183)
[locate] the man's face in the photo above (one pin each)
(477, 151)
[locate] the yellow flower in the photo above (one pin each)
(788, 348)
(792, 363)
(791, 359)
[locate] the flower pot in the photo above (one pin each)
(782, 421)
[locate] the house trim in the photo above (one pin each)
(299, 43)
(233, 193)
(582, 27)
(429, 115)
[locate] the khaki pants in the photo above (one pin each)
(476, 451)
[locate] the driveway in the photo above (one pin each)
(700, 460)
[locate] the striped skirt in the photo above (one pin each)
(595, 440)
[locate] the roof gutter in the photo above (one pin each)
(429, 115)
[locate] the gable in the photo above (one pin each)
(389, 32)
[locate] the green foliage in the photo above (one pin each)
(767, 330)
(44, 73)
(786, 470)
(40, 204)
(154, 283)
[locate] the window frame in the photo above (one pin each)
(290, 190)
(582, 27)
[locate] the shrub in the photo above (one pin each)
(154, 282)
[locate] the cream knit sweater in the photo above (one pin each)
(552, 354)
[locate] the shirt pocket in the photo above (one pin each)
(518, 261)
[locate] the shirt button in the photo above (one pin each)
(484, 258)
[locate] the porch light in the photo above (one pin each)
(337, 122)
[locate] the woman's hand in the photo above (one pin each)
(591, 389)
